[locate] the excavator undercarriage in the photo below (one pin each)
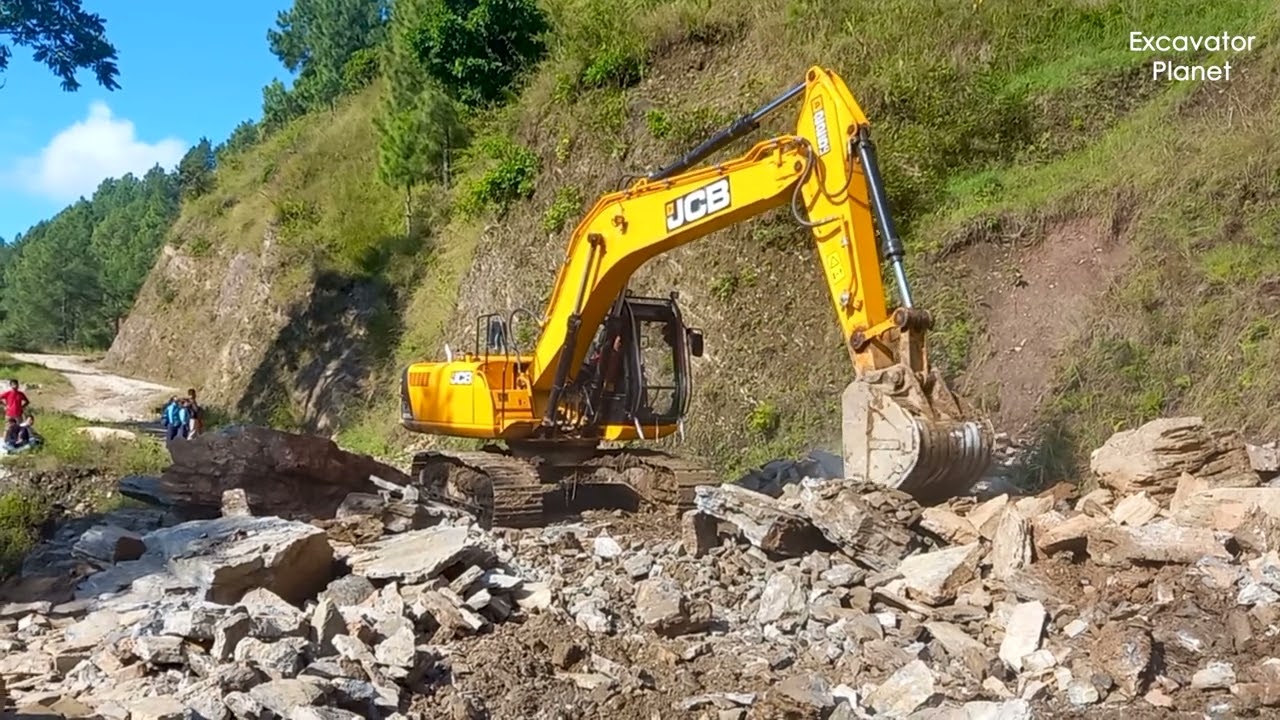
(502, 489)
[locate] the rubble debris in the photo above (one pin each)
(1160, 593)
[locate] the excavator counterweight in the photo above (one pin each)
(610, 366)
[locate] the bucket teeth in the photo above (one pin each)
(897, 432)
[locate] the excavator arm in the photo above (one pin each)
(829, 179)
(902, 426)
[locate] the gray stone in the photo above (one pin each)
(272, 616)
(245, 707)
(160, 707)
(1017, 709)
(784, 598)
(638, 565)
(399, 649)
(326, 624)
(1022, 633)
(935, 577)
(420, 555)
(905, 691)
(606, 547)
(1081, 693)
(661, 606)
(1214, 676)
(808, 691)
(322, 713)
(160, 649)
(279, 660)
(348, 590)
(279, 696)
(227, 557)
(195, 623)
(108, 544)
(228, 633)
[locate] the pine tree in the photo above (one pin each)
(195, 170)
(418, 124)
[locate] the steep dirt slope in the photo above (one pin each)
(257, 300)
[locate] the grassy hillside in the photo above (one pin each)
(1098, 245)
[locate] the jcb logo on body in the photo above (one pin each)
(697, 204)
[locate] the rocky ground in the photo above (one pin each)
(788, 596)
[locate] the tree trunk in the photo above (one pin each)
(408, 211)
(445, 164)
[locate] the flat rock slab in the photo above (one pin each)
(1159, 542)
(227, 557)
(420, 555)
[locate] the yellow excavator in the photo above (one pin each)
(610, 366)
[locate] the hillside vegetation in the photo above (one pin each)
(1098, 245)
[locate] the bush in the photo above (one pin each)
(567, 204)
(20, 516)
(514, 168)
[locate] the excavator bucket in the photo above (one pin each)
(913, 434)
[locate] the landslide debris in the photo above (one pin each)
(1154, 595)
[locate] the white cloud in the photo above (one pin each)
(81, 156)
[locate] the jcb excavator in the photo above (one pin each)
(610, 366)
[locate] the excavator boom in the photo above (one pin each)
(590, 377)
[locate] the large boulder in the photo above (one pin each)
(227, 557)
(285, 474)
(1152, 457)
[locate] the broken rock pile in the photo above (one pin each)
(839, 600)
(253, 617)
(1157, 592)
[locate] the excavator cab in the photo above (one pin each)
(638, 372)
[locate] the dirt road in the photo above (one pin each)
(98, 396)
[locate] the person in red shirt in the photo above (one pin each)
(15, 401)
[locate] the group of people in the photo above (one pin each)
(19, 432)
(182, 417)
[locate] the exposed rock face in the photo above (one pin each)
(285, 474)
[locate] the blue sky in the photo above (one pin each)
(186, 70)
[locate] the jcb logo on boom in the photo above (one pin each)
(697, 204)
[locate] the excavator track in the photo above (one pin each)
(503, 490)
(660, 478)
(500, 490)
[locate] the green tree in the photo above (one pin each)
(68, 281)
(418, 125)
(414, 141)
(279, 106)
(316, 39)
(477, 48)
(244, 136)
(195, 170)
(51, 286)
(62, 36)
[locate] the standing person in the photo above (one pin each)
(184, 417)
(15, 401)
(196, 425)
(169, 418)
